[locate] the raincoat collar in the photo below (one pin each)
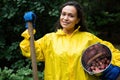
(61, 32)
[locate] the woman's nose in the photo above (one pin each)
(66, 17)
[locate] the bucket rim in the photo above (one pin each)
(92, 73)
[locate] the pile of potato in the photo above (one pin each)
(98, 65)
(96, 58)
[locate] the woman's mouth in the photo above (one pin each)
(65, 23)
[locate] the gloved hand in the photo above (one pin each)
(29, 17)
(111, 73)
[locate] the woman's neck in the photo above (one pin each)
(68, 31)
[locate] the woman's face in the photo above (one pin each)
(68, 17)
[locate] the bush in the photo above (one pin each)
(101, 16)
(19, 72)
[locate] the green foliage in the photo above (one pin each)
(21, 74)
(101, 17)
(9, 74)
(19, 71)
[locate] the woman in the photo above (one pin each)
(62, 50)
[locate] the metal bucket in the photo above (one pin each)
(96, 59)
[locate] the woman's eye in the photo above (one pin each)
(71, 15)
(63, 14)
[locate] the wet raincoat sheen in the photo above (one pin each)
(62, 54)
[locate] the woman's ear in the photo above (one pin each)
(77, 21)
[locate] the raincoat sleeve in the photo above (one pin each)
(25, 46)
(115, 52)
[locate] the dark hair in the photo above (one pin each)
(80, 15)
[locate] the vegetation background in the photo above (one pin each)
(102, 19)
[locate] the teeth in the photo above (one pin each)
(65, 23)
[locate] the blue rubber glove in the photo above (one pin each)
(111, 73)
(29, 17)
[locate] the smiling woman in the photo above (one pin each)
(68, 19)
(75, 12)
(62, 50)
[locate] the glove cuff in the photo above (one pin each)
(26, 25)
(111, 73)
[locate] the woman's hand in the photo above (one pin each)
(29, 17)
(111, 73)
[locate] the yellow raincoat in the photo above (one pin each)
(62, 54)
